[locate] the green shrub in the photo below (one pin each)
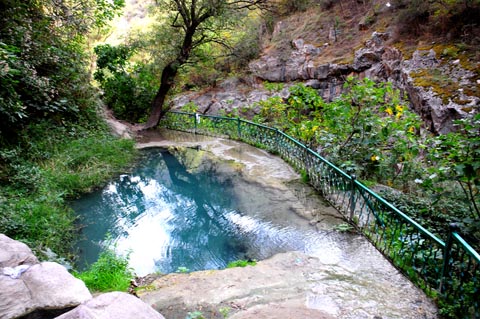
(128, 88)
(367, 130)
(109, 273)
(273, 86)
(241, 263)
(83, 164)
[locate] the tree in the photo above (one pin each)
(199, 22)
(43, 65)
(456, 156)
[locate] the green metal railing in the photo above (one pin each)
(450, 270)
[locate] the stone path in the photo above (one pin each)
(293, 285)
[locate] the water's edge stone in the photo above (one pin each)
(32, 289)
(289, 285)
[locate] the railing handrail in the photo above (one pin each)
(257, 124)
(323, 159)
(354, 199)
(472, 252)
(401, 214)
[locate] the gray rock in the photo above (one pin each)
(298, 44)
(296, 65)
(372, 53)
(15, 298)
(48, 288)
(113, 305)
(63, 289)
(360, 284)
(376, 60)
(268, 68)
(230, 84)
(14, 253)
(44, 286)
(422, 59)
(378, 39)
(315, 84)
(438, 112)
(337, 71)
(365, 58)
(322, 71)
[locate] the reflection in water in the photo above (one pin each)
(167, 217)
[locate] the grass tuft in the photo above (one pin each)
(241, 263)
(109, 273)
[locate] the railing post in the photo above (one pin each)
(196, 118)
(239, 131)
(353, 203)
(277, 136)
(446, 256)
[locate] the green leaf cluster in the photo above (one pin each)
(128, 88)
(241, 263)
(369, 131)
(110, 272)
(456, 157)
(44, 62)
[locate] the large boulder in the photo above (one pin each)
(44, 286)
(448, 97)
(28, 287)
(113, 305)
(298, 65)
(14, 253)
(30, 290)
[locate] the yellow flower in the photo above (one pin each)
(375, 158)
(389, 111)
(399, 108)
(398, 115)
(411, 129)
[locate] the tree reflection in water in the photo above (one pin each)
(181, 209)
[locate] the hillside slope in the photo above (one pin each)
(438, 67)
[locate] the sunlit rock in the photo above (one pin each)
(14, 253)
(116, 305)
(27, 286)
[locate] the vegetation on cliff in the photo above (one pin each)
(369, 131)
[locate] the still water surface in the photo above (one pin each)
(167, 216)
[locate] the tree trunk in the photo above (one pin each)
(168, 78)
(157, 110)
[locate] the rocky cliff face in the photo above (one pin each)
(439, 102)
